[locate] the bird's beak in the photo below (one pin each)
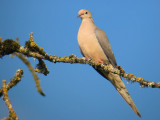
(79, 16)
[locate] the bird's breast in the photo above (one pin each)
(89, 44)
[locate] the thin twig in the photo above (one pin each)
(30, 67)
(14, 81)
(12, 113)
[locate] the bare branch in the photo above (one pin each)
(14, 81)
(30, 67)
(31, 49)
(12, 113)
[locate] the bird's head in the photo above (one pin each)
(84, 14)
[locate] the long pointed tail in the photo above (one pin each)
(120, 87)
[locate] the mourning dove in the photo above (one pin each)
(94, 44)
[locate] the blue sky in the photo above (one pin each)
(75, 91)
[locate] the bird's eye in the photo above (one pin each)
(86, 12)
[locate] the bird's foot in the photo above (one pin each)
(100, 61)
(86, 58)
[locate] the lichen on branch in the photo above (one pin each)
(31, 49)
(31, 69)
(8, 46)
(13, 82)
(12, 113)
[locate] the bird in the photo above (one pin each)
(94, 44)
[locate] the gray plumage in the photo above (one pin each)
(105, 45)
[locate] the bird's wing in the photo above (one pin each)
(105, 45)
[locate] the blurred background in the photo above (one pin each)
(76, 91)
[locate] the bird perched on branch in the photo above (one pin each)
(95, 45)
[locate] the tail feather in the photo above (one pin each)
(120, 87)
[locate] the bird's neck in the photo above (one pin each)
(88, 23)
(88, 20)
